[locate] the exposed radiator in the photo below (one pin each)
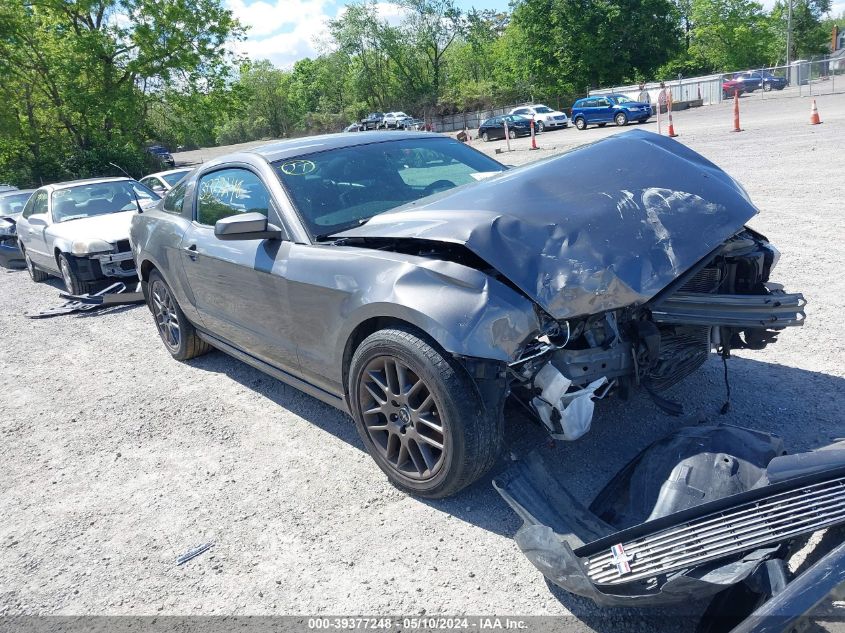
(683, 349)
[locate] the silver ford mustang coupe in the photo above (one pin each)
(417, 284)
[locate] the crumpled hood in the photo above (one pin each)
(110, 227)
(600, 227)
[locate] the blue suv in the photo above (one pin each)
(604, 109)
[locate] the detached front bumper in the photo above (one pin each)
(695, 513)
(99, 266)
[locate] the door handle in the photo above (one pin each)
(192, 251)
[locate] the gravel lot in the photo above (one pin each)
(117, 459)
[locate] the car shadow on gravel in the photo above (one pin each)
(765, 396)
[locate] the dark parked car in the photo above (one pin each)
(494, 128)
(605, 109)
(11, 205)
(373, 121)
(754, 80)
(401, 277)
(163, 154)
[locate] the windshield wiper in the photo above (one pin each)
(324, 236)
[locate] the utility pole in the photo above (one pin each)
(788, 34)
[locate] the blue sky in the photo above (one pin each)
(284, 31)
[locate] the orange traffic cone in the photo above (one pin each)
(736, 113)
(814, 114)
(671, 125)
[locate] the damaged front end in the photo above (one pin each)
(634, 253)
(694, 514)
(725, 302)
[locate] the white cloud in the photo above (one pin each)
(282, 31)
(285, 31)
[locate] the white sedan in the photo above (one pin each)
(394, 119)
(79, 230)
(544, 117)
(163, 181)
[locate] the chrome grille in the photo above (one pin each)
(742, 528)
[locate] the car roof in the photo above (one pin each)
(85, 181)
(14, 192)
(170, 171)
(308, 144)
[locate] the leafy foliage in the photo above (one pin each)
(87, 83)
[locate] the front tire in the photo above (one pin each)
(767, 87)
(540, 127)
(177, 333)
(419, 415)
(73, 284)
(485, 137)
(512, 134)
(620, 119)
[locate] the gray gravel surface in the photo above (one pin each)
(117, 459)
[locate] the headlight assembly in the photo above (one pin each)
(86, 247)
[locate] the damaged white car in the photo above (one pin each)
(79, 231)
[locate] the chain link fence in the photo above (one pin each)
(802, 78)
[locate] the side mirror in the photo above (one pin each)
(246, 226)
(37, 219)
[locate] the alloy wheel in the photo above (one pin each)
(401, 418)
(164, 312)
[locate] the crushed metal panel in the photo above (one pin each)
(113, 295)
(690, 516)
(613, 222)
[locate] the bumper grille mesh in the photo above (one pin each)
(740, 529)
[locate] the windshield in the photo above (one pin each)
(175, 177)
(341, 188)
(100, 198)
(543, 109)
(623, 99)
(13, 204)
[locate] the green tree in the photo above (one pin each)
(730, 34)
(89, 71)
(810, 34)
(583, 43)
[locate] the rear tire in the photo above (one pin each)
(177, 333)
(580, 123)
(73, 284)
(36, 274)
(408, 398)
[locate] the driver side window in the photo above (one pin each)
(227, 192)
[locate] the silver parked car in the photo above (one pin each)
(163, 181)
(79, 230)
(417, 284)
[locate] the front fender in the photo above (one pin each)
(467, 312)
(335, 291)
